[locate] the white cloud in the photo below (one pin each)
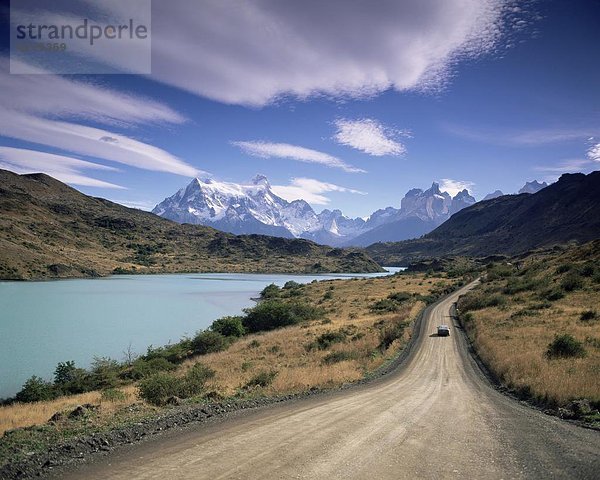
(454, 186)
(257, 51)
(294, 152)
(593, 153)
(92, 141)
(144, 205)
(566, 166)
(36, 109)
(520, 137)
(65, 169)
(369, 136)
(310, 190)
(56, 96)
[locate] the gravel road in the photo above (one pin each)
(435, 417)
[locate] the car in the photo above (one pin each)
(443, 330)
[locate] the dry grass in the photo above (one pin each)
(285, 351)
(513, 338)
(24, 415)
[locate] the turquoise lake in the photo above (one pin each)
(43, 323)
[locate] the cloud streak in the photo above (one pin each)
(294, 152)
(369, 136)
(311, 190)
(63, 168)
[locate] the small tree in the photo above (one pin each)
(208, 341)
(36, 389)
(229, 326)
(565, 346)
(270, 291)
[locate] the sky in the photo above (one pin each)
(347, 104)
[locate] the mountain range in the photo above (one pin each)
(563, 212)
(255, 208)
(50, 230)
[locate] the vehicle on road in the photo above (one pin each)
(443, 330)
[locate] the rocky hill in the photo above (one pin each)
(50, 230)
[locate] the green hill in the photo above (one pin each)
(50, 230)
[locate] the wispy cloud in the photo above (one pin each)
(63, 168)
(454, 186)
(521, 137)
(593, 153)
(311, 190)
(369, 136)
(294, 152)
(260, 51)
(566, 166)
(50, 110)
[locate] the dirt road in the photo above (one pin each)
(437, 417)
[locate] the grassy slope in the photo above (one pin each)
(49, 230)
(286, 351)
(516, 313)
(512, 224)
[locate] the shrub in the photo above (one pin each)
(325, 340)
(157, 388)
(390, 333)
(229, 326)
(273, 314)
(336, 357)
(384, 306)
(291, 285)
(195, 380)
(36, 389)
(399, 296)
(209, 342)
(588, 270)
(588, 315)
(143, 368)
(495, 271)
(565, 346)
(262, 379)
(564, 268)
(477, 301)
(571, 282)
(552, 295)
(270, 291)
(104, 373)
(113, 395)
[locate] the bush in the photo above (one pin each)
(588, 270)
(336, 357)
(229, 326)
(291, 285)
(272, 314)
(195, 380)
(270, 291)
(36, 389)
(209, 342)
(143, 368)
(552, 295)
(104, 373)
(390, 333)
(399, 296)
(588, 315)
(157, 388)
(262, 379)
(325, 340)
(571, 282)
(384, 306)
(564, 268)
(565, 346)
(478, 301)
(113, 395)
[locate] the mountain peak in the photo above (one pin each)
(260, 179)
(533, 187)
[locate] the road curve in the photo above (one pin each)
(436, 417)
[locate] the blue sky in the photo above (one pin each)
(347, 105)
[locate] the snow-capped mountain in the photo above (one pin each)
(255, 208)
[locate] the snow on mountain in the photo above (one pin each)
(254, 208)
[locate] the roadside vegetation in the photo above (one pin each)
(296, 339)
(534, 322)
